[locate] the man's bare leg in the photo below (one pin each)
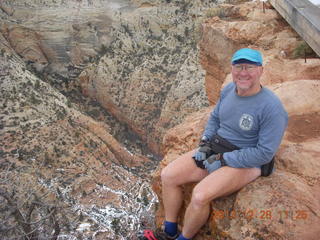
(182, 170)
(222, 182)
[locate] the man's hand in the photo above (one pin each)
(214, 162)
(200, 156)
(211, 166)
(203, 152)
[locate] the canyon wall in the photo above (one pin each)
(62, 173)
(58, 38)
(143, 62)
(285, 205)
(53, 154)
(150, 76)
(139, 57)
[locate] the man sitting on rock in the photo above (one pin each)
(242, 135)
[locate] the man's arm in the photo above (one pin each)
(204, 150)
(213, 122)
(270, 135)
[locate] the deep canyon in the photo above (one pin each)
(98, 96)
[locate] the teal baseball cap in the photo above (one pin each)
(247, 55)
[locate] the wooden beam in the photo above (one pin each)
(304, 18)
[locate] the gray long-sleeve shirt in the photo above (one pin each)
(255, 124)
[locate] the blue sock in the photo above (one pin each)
(170, 228)
(181, 237)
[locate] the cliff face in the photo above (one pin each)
(61, 169)
(150, 76)
(62, 173)
(285, 205)
(58, 38)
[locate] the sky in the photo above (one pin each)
(317, 2)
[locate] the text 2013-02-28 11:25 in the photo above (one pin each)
(263, 214)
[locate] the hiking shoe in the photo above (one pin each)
(159, 234)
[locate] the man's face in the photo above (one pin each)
(247, 78)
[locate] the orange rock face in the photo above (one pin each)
(27, 43)
(285, 205)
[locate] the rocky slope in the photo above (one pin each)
(62, 173)
(149, 51)
(285, 205)
(150, 76)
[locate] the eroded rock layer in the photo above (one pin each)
(150, 76)
(62, 173)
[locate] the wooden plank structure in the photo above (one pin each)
(304, 18)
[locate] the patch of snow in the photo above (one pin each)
(83, 227)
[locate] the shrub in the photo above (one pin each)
(303, 50)
(216, 12)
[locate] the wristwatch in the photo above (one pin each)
(204, 138)
(219, 157)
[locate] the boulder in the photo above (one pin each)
(282, 206)
(300, 96)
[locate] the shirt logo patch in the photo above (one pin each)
(246, 122)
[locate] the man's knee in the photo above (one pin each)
(253, 173)
(199, 198)
(167, 175)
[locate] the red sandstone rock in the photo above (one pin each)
(285, 205)
(27, 43)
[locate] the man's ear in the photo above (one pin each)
(261, 69)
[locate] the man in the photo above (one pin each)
(240, 140)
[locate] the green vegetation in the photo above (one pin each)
(103, 49)
(61, 113)
(216, 12)
(115, 224)
(34, 100)
(94, 113)
(303, 50)
(37, 84)
(69, 104)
